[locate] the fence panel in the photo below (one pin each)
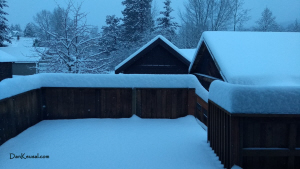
(24, 110)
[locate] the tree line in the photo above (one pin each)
(73, 46)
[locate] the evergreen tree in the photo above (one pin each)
(166, 26)
(267, 22)
(4, 30)
(110, 34)
(30, 30)
(18, 27)
(137, 19)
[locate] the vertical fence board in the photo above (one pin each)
(174, 104)
(153, 101)
(191, 101)
(159, 103)
(139, 103)
(164, 103)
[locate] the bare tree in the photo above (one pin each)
(43, 20)
(294, 27)
(71, 49)
(240, 15)
(221, 14)
(204, 15)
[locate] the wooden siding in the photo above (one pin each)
(5, 70)
(254, 141)
(157, 61)
(205, 64)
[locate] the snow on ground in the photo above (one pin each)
(112, 143)
(256, 99)
(22, 50)
(26, 83)
(255, 58)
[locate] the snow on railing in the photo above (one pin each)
(21, 84)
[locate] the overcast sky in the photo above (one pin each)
(22, 11)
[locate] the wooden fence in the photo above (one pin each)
(19, 112)
(254, 140)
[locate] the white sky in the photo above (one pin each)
(22, 11)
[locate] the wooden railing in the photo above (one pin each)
(202, 110)
(19, 112)
(254, 140)
(205, 80)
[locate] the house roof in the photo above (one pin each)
(188, 53)
(267, 58)
(147, 47)
(5, 57)
(22, 50)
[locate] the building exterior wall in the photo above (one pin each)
(157, 61)
(5, 70)
(24, 68)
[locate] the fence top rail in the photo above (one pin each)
(251, 114)
(15, 86)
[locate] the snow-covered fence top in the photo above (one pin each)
(17, 85)
(256, 99)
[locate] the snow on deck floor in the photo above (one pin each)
(112, 143)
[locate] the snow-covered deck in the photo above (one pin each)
(112, 143)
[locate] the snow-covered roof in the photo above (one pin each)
(236, 98)
(26, 83)
(22, 50)
(258, 58)
(5, 57)
(146, 46)
(188, 53)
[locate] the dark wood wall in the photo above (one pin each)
(254, 140)
(157, 61)
(5, 70)
(19, 112)
(204, 64)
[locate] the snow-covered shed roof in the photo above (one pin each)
(260, 58)
(22, 50)
(26, 83)
(151, 44)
